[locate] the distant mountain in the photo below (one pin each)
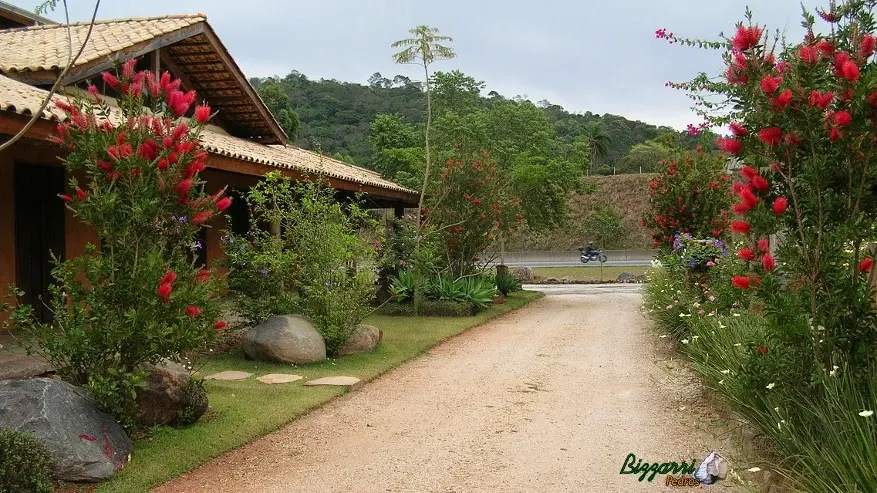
(334, 116)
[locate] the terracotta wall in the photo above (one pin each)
(76, 234)
(7, 222)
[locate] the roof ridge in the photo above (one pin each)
(119, 20)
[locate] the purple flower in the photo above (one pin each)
(198, 245)
(264, 272)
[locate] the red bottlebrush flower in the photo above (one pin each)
(834, 135)
(825, 47)
(842, 118)
(821, 100)
(768, 262)
(193, 311)
(784, 99)
(169, 277)
(780, 205)
(64, 106)
(731, 146)
(740, 282)
(741, 227)
(181, 130)
(746, 37)
(759, 183)
(746, 254)
(740, 209)
(180, 102)
(164, 291)
(477, 201)
(866, 264)
(104, 166)
(747, 197)
(184, 186)
(165, 80)
(201, 217)
(163, 164)
(850, 71)
(770, 84)
(808, 54)
(747, 172)
(147, 150)
(738, 129)
(223, 203)
(135, 172)
(761, 349)
(111, 80)
(202, 113)
(66, 198)
(771, 136)
(128, 69)
(80, 194)
(869, 43)
(219, 325)
(764, 245)
(203, 276)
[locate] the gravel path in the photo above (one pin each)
(549, 399)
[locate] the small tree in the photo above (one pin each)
(139, 297)
(604, 224)
(690, 195)
(423, 48)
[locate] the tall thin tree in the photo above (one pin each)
(598, 141)
(423, 48)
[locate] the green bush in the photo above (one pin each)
(507, 283)
(433, 308)
(25, 464)
(301, 256)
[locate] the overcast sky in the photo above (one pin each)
(584, 55)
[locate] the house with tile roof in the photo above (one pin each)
(244, 140)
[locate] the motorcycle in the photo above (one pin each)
(591, 256)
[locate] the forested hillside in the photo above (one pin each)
(336, 116)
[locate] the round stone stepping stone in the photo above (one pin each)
(229, 375)
(275, 378)
(340, 381)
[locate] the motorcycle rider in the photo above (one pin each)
(590, 249)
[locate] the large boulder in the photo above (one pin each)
(85, 443)
(171, 396)
(523, 274)
(626, 277)
(285, 339)
(363, 339)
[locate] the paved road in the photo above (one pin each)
(551, 398)
(576, 263)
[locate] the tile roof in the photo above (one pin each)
(18, 97)
(37, 48)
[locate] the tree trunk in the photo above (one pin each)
(418, 273)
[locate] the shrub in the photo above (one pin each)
(25, 464)
(507, 283)
(302, 256)
(690, 195)
(433, 308)
(139, 297)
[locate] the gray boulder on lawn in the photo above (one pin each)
(364, 338)
(86, 444)
(626, 277)
(523, 274)
(285, 339)
(171, 397)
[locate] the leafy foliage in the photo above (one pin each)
(140, 296)
(507, 283)
(25, 464)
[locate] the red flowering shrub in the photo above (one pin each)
(471, 209)
(689, 196)
(138, 297)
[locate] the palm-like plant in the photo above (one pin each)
(598, 142)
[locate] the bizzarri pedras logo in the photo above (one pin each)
(711, 470)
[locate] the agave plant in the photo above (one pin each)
(479, 291)
(507, 283)
(402, 286)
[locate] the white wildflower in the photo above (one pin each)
(663, 336)
(694, 338)
(833, 371)
(725, 372)
(736, 314)
(722, 382)
(684, 341)
(771, 385)
(754, 469)
(866, 414)
(737, 344)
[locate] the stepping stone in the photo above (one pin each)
(274, 378)
(229, 375)
(340, 381)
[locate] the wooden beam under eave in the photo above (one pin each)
(77, 74)
(245, 85)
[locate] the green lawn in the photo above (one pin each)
(582, 273)
(246, 410)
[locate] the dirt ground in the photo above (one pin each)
(552, 398)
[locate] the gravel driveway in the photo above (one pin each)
(551, 398)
